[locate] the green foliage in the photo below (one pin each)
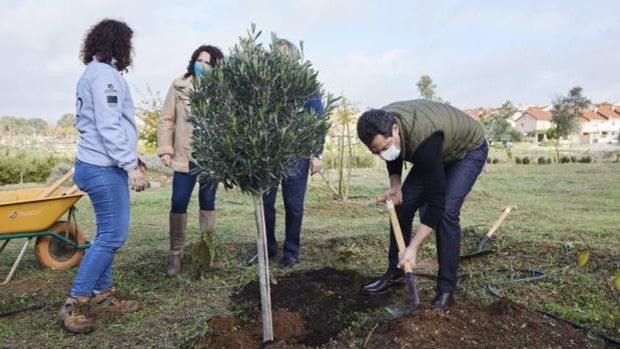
(250, 124)
(586, 159)
(525, 160)
(23, 167)
(66, 120)
(518, 160)
(565, 159)
(14, 125)
(497, 127)
(565, 114)
(495, 161)
(426, 87)
(148, 113)
(344, 160)
(542, 160)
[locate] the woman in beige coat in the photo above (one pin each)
(174, 134)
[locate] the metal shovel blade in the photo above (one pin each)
(398, 311)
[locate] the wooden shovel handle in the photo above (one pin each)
(45, 193)
(499, 220)
(398, 233)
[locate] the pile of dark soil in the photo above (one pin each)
(502, 324)
(312, 308)
(230, 333)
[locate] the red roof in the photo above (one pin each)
(538, 114)
(606, 110)
(590, 115)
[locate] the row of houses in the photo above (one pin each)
(598, 125)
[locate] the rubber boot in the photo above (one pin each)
(178, 227)
(206, 220)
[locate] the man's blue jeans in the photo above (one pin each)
(293, 192)
(460, 178)
(182, 187)
(108, 190)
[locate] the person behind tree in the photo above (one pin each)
(174, 135)
(106, 165)
(293, 188)
(448, 151)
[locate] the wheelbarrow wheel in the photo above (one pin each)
(55, 254)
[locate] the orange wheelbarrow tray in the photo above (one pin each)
(34, 213)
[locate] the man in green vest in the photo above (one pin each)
(448, 151)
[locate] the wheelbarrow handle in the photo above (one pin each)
(49, 190)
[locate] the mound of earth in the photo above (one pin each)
(311, 308)
(502, 324)
(229, 333)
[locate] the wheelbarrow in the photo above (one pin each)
(35, 213)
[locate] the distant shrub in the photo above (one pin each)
(526, 160)
(495, 160)
(565, 159)
(585, 159)
(518, 160)
(573, 159)
(489, 160)
(542, 160)
(548, 161)
(23, 167)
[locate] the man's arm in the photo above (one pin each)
(428, 163)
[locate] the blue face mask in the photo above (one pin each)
(201, 70)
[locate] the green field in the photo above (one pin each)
(561, 208)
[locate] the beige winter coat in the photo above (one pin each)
(174, 132)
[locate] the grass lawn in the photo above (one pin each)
(560, 209)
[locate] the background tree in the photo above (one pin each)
(342, 123)
(250, 127)
(65, 125)
(148, 115)
(426, 87)
(497, 125)
(565, 114)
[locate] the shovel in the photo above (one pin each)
(479, 250)
(398, 311)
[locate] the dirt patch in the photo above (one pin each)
(310, 308)
(503, 324)
(229, 332)
(313, 308)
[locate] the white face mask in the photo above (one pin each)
(390, 154)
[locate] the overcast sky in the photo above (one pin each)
(479, 53)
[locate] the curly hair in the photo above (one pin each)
(374, 122)
(110, 41)
(213, 51)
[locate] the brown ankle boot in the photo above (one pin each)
(178, 226)
(74, 315)
(108, 302)
(207, 220)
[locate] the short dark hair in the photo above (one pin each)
(109, 41)
(374, 122)
(213, 51)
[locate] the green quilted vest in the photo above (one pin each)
(418, 119)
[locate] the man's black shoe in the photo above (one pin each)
(254, 259)
(389, 279)
(443, 300)
(287, 261)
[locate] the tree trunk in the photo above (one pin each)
(263, 267)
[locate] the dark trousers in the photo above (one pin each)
(293, 192)
(460, 178)
(182, 187)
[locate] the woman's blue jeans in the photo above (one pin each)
(108, 190)
(182, 187)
